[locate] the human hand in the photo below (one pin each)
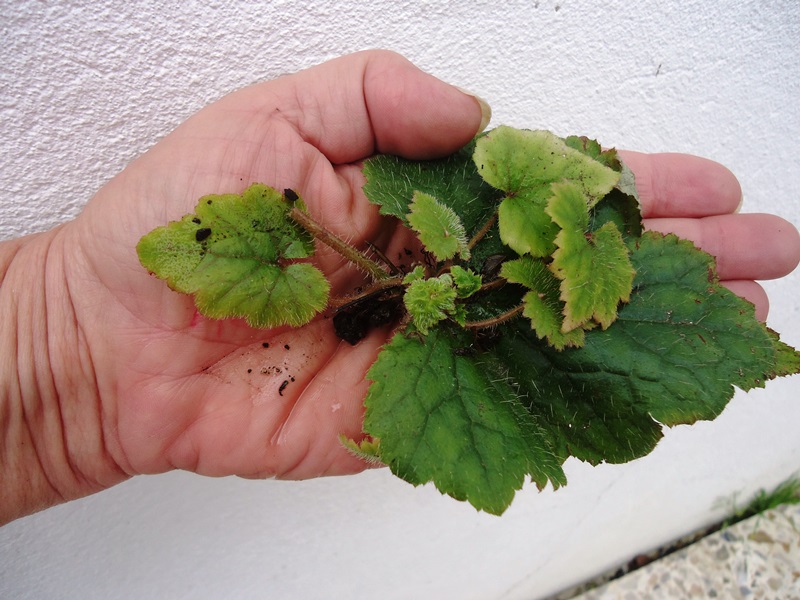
(143, 384)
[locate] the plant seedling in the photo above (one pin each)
(541, 321)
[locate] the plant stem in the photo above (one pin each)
(356, 257)
(492, 285)
(482, 231)
(383, 284)
(393, 270)
(501, 318)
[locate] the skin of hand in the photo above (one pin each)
(108, 374)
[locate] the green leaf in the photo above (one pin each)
(620, 209)
(592, 148)
(467, 282)
(584, 402)
(703, 337)
(673, 345)
(594, 268)
(453, 181)
(431, 300)
(787, 359)
(439, 228)
(415, 274)
(524, 164)
(368, 449)
(609, 158)
(442, 418)
(673, 356)
(526, 227)
(543, 305)
(232, 254)
(527, 162)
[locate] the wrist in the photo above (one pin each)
(51, 424)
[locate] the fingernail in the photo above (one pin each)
(486, 110)
(741, 202)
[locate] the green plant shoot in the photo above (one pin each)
(540, 322)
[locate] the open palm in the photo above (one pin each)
(177, 390)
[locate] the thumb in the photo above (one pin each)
(414, 114)
(351, 107)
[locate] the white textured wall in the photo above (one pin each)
(87, 86)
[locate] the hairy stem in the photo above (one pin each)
(358, 258)
(481, 233)
(494, 321)
(393, 270)
(494, 284)
(383, 284)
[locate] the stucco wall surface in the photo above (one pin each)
(85, 87)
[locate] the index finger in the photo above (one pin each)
(681, 185)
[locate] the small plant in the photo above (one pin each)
(539, 322)
(787, 492)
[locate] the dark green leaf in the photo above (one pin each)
(453, 181)
(442, 417)
(674, 355)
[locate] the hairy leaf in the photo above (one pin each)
(587, 409)
(443, 418)
(524, 164)
(231, 255)
(367, 449)
(439, 228)
(467, 282)
(594, 268)
(431, 300)
(673, 356)
(787, 359)
(453, 181)
(543, 304)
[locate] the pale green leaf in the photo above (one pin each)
(610, 158)
(594, 268)
(543, 305)
(231, 254)
(438, 226)
(429, 301)
(524, 164)
(525, 227)
(368, 449)
(415, 274)
(467, 282)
